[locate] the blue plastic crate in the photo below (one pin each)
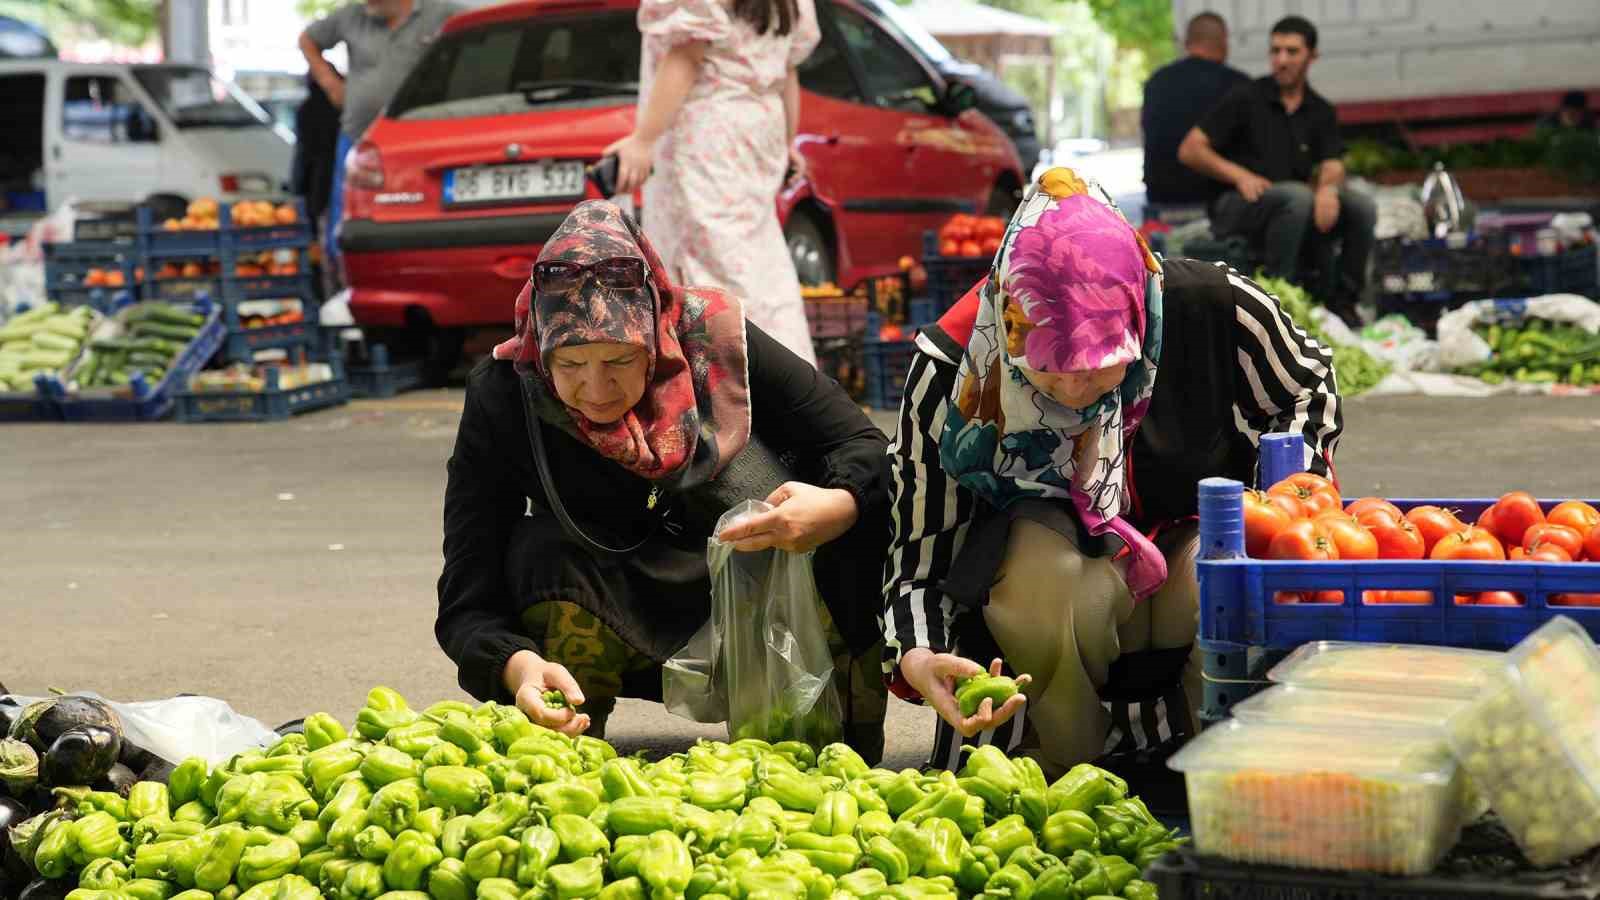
(295, 236)
(1454, 269)
(241, 343)
(180, 290)
(267, 287)
(121, 228)
(1571, 272)
(1237, 611)
(269, 405)
(886, 364)
(67, 266)
(158, 243)
(836, 317)
(382, 377)
(950, 277)
(142, 401)
(28, 406)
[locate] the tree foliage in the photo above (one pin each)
(129, 22)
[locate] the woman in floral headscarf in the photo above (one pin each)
(1020, 531)
(655, 407)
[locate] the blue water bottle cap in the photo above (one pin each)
(1282, 455)
(1221, 519)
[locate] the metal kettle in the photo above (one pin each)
(1443, 206)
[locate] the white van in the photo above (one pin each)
(117, 133)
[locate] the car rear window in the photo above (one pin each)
(510, 66)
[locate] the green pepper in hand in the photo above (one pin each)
(973, 690)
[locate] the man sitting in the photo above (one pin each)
(1276, 141)
(1175, 98)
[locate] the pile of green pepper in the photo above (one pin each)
(1539, 352)
(458, 802)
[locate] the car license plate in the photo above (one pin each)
(524, 181)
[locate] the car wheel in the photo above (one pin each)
(438, 348)
(808, 247)
(1003, 201)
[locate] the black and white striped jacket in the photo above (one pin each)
(1234, 366)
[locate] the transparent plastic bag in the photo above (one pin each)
(180, 727)
(761, 662)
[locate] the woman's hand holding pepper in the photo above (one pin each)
(803, 518)
(934, 677)
(528, 676)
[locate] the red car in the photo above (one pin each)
(481, 154)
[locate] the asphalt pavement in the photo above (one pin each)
(288, 567)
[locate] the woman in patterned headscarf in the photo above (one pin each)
(655, 407)
(1019, 529)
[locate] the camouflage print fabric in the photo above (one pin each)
(594, 654)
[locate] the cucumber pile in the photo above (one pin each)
(43, 339)
(152, 337)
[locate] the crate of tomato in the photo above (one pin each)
(959, 255)
(1296, 563)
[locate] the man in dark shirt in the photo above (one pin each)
(1276, 141)
(1175, 98)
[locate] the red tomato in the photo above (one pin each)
(1517, 554)
(1549, 553)
(1514, 514)
(1591, 545)
(891, 332)
(1568, 539)
(1289, 598)
(1468, 544)
(1575, 599)
(1314, 492)
(1398, 539)
(971, 248)
(990, 246)
(919, 278)
(1376, 516)
(1351, 537)
(949, 246)
(906, 263)
(1486, 520)
(1575, 514)
(1357, 507)
(1263, 519)
(1303, 539)
(1294, 508)
(1433, 524)
(1325, 597)
(1498, 598)
(1397, 598)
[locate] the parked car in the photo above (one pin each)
(996, 99)
(130, 133)
(481, 154)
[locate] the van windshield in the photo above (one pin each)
(509, 67)
(194, 98)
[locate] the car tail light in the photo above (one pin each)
(247, 182)
(364, 167)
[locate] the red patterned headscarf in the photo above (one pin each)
(694, 417)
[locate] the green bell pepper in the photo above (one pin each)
(459, 788)
(944, 842)
(384, 765)
(903, 792)
(1005, 836)
(444, 754)
(375, 724)
(578, 879)
(1119, 872)
(454, 840)
(311, 862)
(396, 804)
(185, 781)
(754, 831)
(193, 894)
(624, 860)
(643, 815)
(1089, 874)
(104, 874)
(792, 791)
(665, 865)
(579, 837)
(193, 811)
(373, 843)
(449, 881)
(265, 862)
(498, 889)
(593, 751)
(630, 888)
(867, 799)
(407, 864)
(221, 857)
(498, 817)
(973, 690)
(149, 889)
(863, 882)
(351, 795)
(1011, 881)
(978, 864)
(334, 872)
(837, 814)
(364, 881)
(415, 739)
(887, 857)
(294, 887)
(538, 848)
(840, 761)
(492, 858)
(321, 730)
(98, 836)
(431, 822)
(914, 843)
(835, 854)
(709, 878)
(991, 764)
(569, 797)
(1070, 830)
(623, 778)
(875, 823)
(149, 798)
(709, 790)
(342, 836)
(185, 856)
(325, 766)
(1032, 860)
(149, 861)
(768, 883)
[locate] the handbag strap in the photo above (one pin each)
(553, 497)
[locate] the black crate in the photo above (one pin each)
(1448, 270)
(1484, 864)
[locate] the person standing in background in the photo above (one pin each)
(1175, 98)
(384, 40)
(316, 138)
(719, 105)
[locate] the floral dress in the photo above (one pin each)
(709, 205)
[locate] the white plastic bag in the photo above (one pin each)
(180, 727)
(761, 661)
(1460, 346)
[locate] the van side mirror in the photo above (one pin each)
(958, 98)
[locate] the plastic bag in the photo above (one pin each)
(180, 727)
(1461, 347)
(761, 662)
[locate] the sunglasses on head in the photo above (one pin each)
(624, 273)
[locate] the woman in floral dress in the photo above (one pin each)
(719, 103)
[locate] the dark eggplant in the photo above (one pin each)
(10, 710)
(19, 767)
(46, 889)
(12, 865)
(81, 755)
(23, 839)
(158, 770)
(41, 723)
(120, 780)
(134, 756)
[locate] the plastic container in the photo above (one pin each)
(1568, 272)
(836, 317)
(887, 364)
(70, 269)
(380, 377)
(950, 277)
(1385, 802)
(1290, 704)
(142, 401)
(270, 404)
(1406, 669)
(1531, 740)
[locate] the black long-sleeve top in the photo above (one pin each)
(796, 413)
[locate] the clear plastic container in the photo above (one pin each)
(1389, 668)
(1383, 801)
(1531, 742)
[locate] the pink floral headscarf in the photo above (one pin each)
(1073, 289)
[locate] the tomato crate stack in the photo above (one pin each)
(96, 273)
(253, 257)
(951, 269)
(1254, 611)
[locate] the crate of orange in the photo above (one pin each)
(1297, 563)
(197, 235)
(959, 255)
(98, 273)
